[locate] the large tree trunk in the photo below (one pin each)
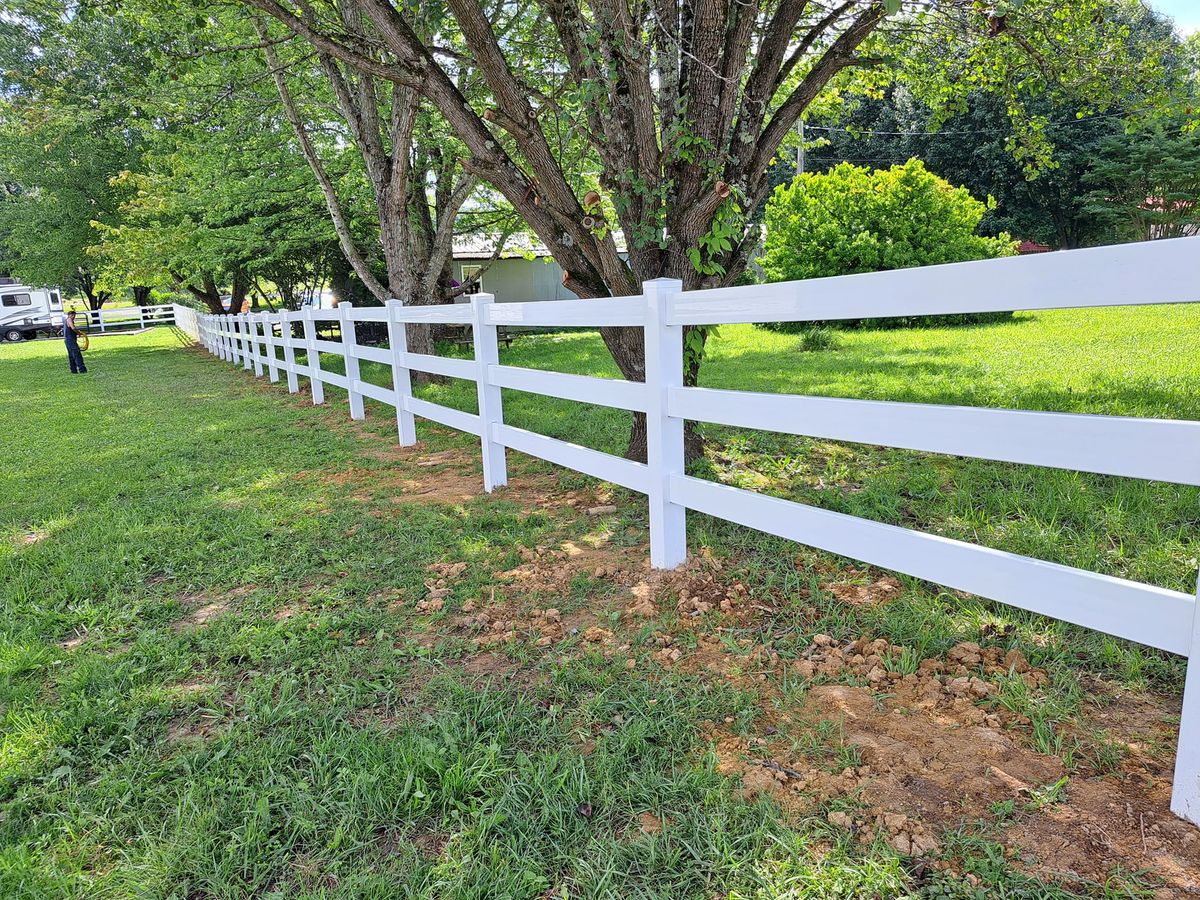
(141, 294)
(95, 299)
(238, 290)
(208, 294)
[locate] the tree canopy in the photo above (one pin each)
(635, 139)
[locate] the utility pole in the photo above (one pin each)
(800, 151)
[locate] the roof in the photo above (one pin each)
(483, 246)
(1032, 247)
(519, 245)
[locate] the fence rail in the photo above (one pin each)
(123, 317)
(1157, 272)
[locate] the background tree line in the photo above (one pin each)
(256, 148)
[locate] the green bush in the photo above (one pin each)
(816, 338)
(851, 220)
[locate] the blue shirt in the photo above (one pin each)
(69, 336)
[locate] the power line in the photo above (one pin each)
(870, 131)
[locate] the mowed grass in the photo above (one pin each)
(1133, 361)
(325, 753)
(315, 738)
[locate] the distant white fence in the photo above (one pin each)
(1156, 272)
(118, 318)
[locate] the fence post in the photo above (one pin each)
(664, 433)
(350, 353)
(226, 326)
(142, 316)
(1185, 790)
(251, 342)
(491, 406)
(314, 358)
(235, 339)
(287, 338)
(254, 320)
(247, 347)
(406, 423)
(269, 347)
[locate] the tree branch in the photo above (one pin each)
(340, 224)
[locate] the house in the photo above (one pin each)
(1026, 247)
(523, 270)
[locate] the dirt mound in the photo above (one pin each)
(926, 750)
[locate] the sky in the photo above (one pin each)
(1186, 13)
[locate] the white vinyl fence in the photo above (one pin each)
(1158, 272)
(121, 318)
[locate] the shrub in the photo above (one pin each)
(851, 220)
(816, 338)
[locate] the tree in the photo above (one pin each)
(1044, 199)
(414, 177)
(216, 210)
(383, 162)
(852, 219)
(62, 139)
(1147, 186)
(221, 202)
(684, 105)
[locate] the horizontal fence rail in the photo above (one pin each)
(1158, 449)
(1155, 272)
(118, 318)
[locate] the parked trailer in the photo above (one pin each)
(26, 312)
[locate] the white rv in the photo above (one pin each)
(25, 311)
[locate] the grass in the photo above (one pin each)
(1128, 361)
(317, 737)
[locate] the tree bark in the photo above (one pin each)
(87, 283)
(720, 77)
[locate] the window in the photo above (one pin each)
(469, 272)
(55, 300)
(16, 300)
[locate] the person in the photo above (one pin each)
(71, 339)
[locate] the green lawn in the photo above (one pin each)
(1134, 361)
(227, 670)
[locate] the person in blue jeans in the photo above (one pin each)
(71, 339)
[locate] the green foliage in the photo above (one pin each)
(1078, 53)
(1047, 202)
(1147, 186)
(853, 220)
(63, 135)
(818, 337)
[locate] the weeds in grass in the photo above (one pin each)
(316, 736)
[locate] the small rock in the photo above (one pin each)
(604, 510)
(841, 819)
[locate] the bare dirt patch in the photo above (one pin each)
(30, 538)
(429, 844)
(200, 722)
(925, 746)
(205, 607)
(929, 752)
(74, 642)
